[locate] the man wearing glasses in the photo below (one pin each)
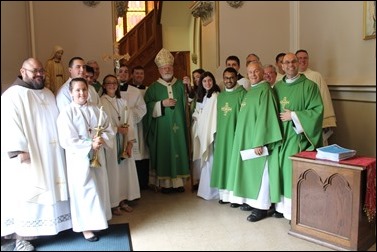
(35, 199)
(301, 115)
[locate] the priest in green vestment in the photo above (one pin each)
(255, 180)
(228, 106)
(301, 115)
(165, 127)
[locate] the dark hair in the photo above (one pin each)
(278, 56)
(124, 65)
(104, 91)
(233, 57)
(79, 79)
(139, 67)
(231, 70)
(301, 50)
(70, 63)
(202, 91)
(89, 69)
(199, 70)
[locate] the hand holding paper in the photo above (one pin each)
(250, 153)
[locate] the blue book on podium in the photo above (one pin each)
(334, 152)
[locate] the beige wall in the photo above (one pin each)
(15, 40)
(81, 30)
(332, 33)
(176, 20)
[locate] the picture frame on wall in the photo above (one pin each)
(369, 20)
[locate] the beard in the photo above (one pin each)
(167, 77)
(37, 82)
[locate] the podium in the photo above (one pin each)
(328, 201)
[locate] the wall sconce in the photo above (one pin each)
(235, 4)
(91, 3)
(203, 10)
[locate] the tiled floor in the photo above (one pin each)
(183, 221)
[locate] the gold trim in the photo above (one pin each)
(369, 16)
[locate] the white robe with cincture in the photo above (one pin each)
(88, 186)
(34, 195)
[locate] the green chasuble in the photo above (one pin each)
(303, 97)
(166, 132)
(257, 125)
(228, 106)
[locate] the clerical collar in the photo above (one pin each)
(123, 86)
(232, 89)
(291, 80)
(256, 84)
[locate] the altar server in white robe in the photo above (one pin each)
(88, 185)
(203, 132)
(138, 109)
(34, 192)
(121, 166)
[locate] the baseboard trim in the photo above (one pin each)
(365, 93)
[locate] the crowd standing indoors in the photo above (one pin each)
(77, 169)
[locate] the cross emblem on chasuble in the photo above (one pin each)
(175, 127)
(284, 102)
(226, 109)
(243, 104)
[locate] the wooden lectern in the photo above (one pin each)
(328, 201)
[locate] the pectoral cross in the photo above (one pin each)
(226, 109)
(284, 102)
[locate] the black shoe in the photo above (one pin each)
(277, 215)
(195, 187)
(94, 238)
(223, 202)
(180, 189)
(246, 207)
(257, 215)
(166, 190)
(235, 205)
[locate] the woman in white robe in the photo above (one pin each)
(204, 129)
(122, 172)
(88, 185)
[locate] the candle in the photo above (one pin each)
(100, 116)
(125, 115)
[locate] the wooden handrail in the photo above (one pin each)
(144, 41)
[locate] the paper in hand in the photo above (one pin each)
(250, 154)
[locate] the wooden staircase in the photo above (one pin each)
(144, 41)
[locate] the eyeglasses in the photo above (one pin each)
(290, 62)
(36, 71)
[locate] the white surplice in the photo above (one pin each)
(64, 98)
(88, 186)
(123, 180)
(138, 108)
(203, 133)
(34, 195)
